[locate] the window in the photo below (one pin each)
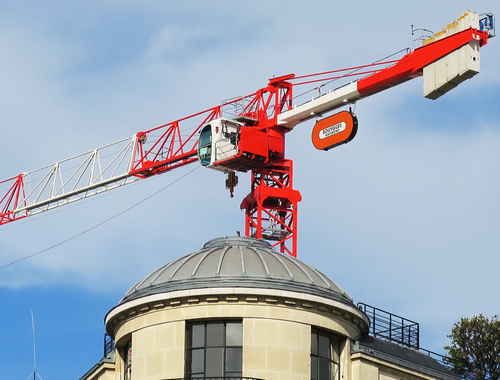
(214, 349)
(205, 145)
(325, 356)
(127, 361)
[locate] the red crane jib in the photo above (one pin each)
(412, 64)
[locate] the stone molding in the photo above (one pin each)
(328, 308)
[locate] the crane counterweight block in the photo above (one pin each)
(459, 65)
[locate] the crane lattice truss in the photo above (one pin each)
(266, 116)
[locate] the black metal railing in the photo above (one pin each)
(441, 359)
(109, 344)
(392, 327)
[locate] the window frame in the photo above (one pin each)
(127, 360)
(213, 344)
(331, 362)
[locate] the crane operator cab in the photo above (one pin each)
(228, 145)
(218, 142)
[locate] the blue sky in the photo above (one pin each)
(405, 217)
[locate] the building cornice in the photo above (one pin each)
(236, 295)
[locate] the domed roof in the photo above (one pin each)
(237, 262)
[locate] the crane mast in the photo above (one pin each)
(252, 138)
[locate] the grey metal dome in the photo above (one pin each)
(237, 262)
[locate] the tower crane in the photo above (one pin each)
(248, 134)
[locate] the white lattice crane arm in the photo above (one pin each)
(142, 155)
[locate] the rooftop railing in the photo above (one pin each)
(392, 327)
(109, 344)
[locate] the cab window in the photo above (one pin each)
(205, 145)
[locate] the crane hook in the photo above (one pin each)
(231, 182)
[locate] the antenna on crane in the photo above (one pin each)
(34, 350)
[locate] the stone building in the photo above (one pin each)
(239, 309)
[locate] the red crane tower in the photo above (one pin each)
(248, 134)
